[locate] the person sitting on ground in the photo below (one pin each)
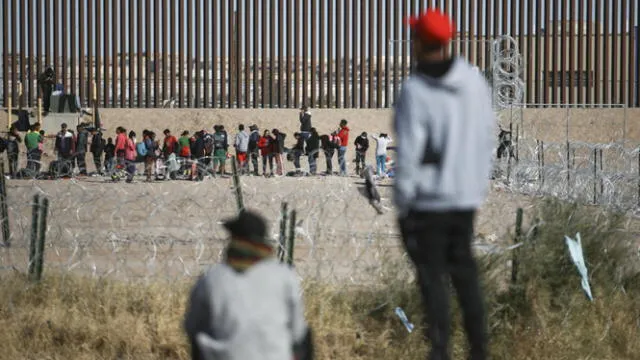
(249, 306)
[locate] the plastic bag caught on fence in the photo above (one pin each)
(575, 250)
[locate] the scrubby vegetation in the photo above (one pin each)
(543, 315)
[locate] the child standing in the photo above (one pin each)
(382, 142)
(109, 156)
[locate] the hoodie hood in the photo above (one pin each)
(452, 73)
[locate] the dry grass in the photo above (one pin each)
(546, 316)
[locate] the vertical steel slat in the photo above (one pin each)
(606, 79)
(581, 56)
(357, 6)
(314, 53)
(563, 52)
(64, 9)
(90, 53)
(47, 34)
(404, 45)
(172, 50)
(206, 22)
(215, 55)
(132, 54)
(379, 47)
(321, 71)
(5, 53)
(56, 41)
(233, 54)
(39, 46)
(555, 58)
(271, 52)
(14, 50)
(123, 53)
(538, 51)
(339, 36)
(305, 51)
(367, 84)
(263, 61)
(98, 47)
(486, 46)
(613, 50)
(589, 55)
(238, 55)
(198, 54)
(157, 44)
(114, 53)
(224, 17)
(181, 54)
(388, 36)
(396, 49)
(164, 57)
(521, 9)
(572, 49)
(290, 51)
(108, 35)
(598, 98)
(247, 52)
(530, 58)
(634, 42)
(256, 54)
(148, 53)
(189, 33)
(347, 53)
(547, 51)
(23, 52)
(29, 76)
(452, 12)
(281, 45)
(623, 75)
(472, 31)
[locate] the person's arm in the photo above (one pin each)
(411, 137)
(297, 322)
(198, 313)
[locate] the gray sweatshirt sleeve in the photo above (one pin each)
(198, 309)
(410, 140)
(298, 322)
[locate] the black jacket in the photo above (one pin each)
(313, 144)
(279, 143)
(97, 144)
(305, 122)
(363, 143)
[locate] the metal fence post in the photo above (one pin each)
(516, 240)
(4, 208)
(292, 238)
(236, 184)
(44, 208)
(33, 244)
(282, 240)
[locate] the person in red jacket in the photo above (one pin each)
(121, 146)
(343, 134)
(265, 144)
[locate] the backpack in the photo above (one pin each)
(141, 149)
(218, 141)
(208, 144)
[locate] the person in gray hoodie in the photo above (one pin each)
(249, 306)
(444, 126)
(242, 147)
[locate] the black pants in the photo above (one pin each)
(97, 161)
(267, 159)
(81, 161)
(47, 89)
(33, 161)
(328, 155)
(360, 160)
(439, 244)
(254, 155)
(13, 162)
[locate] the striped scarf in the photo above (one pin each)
(242, 254)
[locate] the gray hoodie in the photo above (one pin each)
(258, 314)
(454, 115)
(242, 141)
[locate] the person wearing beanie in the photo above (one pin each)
(444, 123)
(249, 306)
(362, 145)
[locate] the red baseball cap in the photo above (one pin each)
(432, 27)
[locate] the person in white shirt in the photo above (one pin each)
(382, 142)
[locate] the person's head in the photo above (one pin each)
(275, 132)
(152, 135)
(253, 127)
(431, 33)
(132, 134)
(248, 226)
(42, 132)
(314, 131)
(145, 133)
(167, 132)
(216, 128)
(93, 131)
(63, 127)
(241, 127)
(35, 127)
(364, 134)
(343, 123)
(221, 127)
(296, 135)
(304, 108)
(185, 133)
(110, 141)
(266, 133)
(13, 129)
(383, 135)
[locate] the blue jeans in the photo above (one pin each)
(381, 161)
(343, 164)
